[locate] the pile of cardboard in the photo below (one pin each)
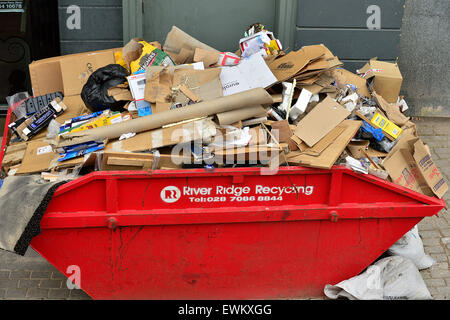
(188, 105)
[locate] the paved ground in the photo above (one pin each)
(31, 277)
(435, 231)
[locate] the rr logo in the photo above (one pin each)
(170, 194)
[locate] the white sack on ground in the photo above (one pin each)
(391, 278)
(411, 246)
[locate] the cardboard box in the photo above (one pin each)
(47, 77)
(433, 178)
(387, 126)
(385, 78)
(403, 170)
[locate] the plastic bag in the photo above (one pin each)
(53, 129)
(17, 104)
(411, 246)
(95, 91)
(391, 278)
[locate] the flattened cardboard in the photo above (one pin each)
(326, 141)
(284, 130)
(75, 71)
(387, 79)
(434, 179)
(259, 136)
(252, 153)
(330, 154)
(13, 157)
(359, 149)
(37, 158)
(289, 65)
(126, 160)
(320, 121)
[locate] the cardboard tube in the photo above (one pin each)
(251, 97)
(234, 116)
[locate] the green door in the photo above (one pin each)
(219, 24)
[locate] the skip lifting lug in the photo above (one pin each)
(334, 216)
(112, 223)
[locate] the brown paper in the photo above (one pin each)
(207, 56)
(154, 121)
(230, 117)
(177, 39)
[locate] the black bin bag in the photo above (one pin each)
(95, 91)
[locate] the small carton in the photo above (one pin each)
(385, 77)
(387, 126)
(434, 179)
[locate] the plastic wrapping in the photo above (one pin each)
(53, 129)
(95, 91)
(17, 104)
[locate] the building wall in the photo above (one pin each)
(100, 25)
(416, 32)
(348, 28)
(425, 57)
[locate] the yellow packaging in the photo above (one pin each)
(273, 46)
(151, 56)
(386, 125)
(99, 122)
(119, 59)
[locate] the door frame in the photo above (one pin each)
(285, 21)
